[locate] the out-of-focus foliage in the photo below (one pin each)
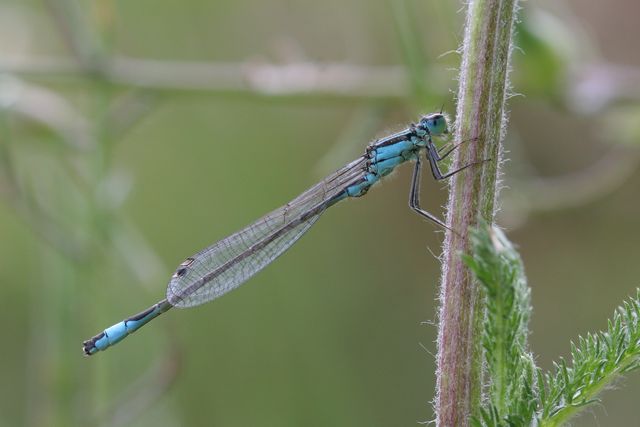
(540, 64)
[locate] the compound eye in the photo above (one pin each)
(437, 125)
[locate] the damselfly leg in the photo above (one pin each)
(449, 148)
(414, 195)
(432, 152)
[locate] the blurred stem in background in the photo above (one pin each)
(70, 195)
(589, 88)
(413, 52)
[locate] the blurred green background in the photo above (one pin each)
(134, 133)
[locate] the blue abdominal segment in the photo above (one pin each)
(116, 333)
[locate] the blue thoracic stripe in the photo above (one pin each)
(357, 190)
(391, 151)
(384, 159)
(386, 166)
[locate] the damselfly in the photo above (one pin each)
(227, 264)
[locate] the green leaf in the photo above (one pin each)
(597, 361)
(511, 390)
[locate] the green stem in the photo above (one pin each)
(480, 118)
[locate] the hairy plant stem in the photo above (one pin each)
(480, 118)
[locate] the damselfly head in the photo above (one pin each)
(435, 124)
